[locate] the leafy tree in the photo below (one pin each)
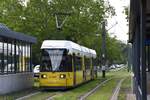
(126, 12)
(36, 18)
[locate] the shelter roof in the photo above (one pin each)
(8, 33)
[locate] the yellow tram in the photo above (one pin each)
(65, 64)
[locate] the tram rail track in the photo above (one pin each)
(49, 96)
(84, 96)
(29, 95)
(117, 89)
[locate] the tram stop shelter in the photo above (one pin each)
(15, 60)
(139, 37)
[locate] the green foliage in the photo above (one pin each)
(36, 18)
(116, 51)
(126, 12)
(105, 92)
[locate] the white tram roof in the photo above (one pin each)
(61, 44)
(69, 45)
(93, 53)
(85, 51)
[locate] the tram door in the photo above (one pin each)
(74, 70)
(84, 69)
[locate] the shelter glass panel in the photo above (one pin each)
(1, 56)
(5, 57)
(14, 56)
(28, 56)
(9, 67)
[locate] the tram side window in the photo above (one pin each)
(87, 63)
(78, 63)
(66, 63)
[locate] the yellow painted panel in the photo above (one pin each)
(53, 79)
(79, 77)
(88, 75)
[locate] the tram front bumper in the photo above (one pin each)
(56, 79)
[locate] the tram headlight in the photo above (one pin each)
(44, 76)
(62, 76)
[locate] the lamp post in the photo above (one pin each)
(103, 47)
(103, 56)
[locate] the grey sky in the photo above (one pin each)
(121, 29)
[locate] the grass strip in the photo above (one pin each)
(104, 92)
(73, 94)
(42, 96)
(125, 88)
(76, 92)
